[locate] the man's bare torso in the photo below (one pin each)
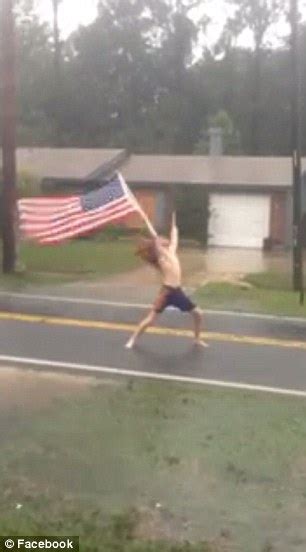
(170, 267)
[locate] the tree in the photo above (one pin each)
(56, 39)
(130, 79)
(112, 61)
(57, 73)
(34, 72)
(258, 16)
(178, 98)
(231, 137)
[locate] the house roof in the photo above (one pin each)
(65, 162)
(86, 164)
(224, 170)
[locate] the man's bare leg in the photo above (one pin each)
(146, 322)
(197, 316)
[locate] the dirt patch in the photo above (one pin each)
(157, 524)
(298, 469)
(233, 279)
(32, 390)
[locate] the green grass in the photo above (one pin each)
(272, 280)
(77, 260)
(270, 293)
(96, 534)
(216, 463)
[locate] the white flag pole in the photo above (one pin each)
(139, 209)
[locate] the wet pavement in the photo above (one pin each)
(257, 351)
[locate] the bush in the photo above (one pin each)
(192, 207)
(28, 185)
(116, 232)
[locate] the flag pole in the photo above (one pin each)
(139, 208)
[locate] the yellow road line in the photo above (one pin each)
(114, 326)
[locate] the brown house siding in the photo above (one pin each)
(147, 200)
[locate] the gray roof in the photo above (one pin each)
(64, 163)
(80, 164)
(224, 170)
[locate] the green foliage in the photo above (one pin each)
(192, 207)
(34, 70)
(230, 136)
(258, 17)
(27, 185)
(96, 534)
(116, 232)
(130, 79)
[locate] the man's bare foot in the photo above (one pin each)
(130, 344)
(200, 343)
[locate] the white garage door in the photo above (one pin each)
(239, 220)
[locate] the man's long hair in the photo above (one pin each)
(147, 251)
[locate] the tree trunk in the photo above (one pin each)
(256, 104)
(57, 71)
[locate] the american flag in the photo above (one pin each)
(52, 220)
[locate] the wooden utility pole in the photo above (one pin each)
(8, 203)
(296, 151)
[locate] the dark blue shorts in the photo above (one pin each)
(173, 297)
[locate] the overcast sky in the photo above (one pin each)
(73, 13)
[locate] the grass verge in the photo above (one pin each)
(269, 293)
(225, 469)
(78, 260)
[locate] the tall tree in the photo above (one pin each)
(179, 101)
(34, 71)
(56, 38)
(258, 16)
(114, 59)
(57, 84)
(130, 79)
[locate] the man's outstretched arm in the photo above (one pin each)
(174, 235)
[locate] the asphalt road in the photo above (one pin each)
(267, 353)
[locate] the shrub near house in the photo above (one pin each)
(192, 206)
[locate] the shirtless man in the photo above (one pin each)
(162, 254)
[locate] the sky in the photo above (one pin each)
(73, 13)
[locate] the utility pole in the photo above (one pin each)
(8, 135)
(296, 151)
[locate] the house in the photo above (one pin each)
(68, 168)
(250, 198)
